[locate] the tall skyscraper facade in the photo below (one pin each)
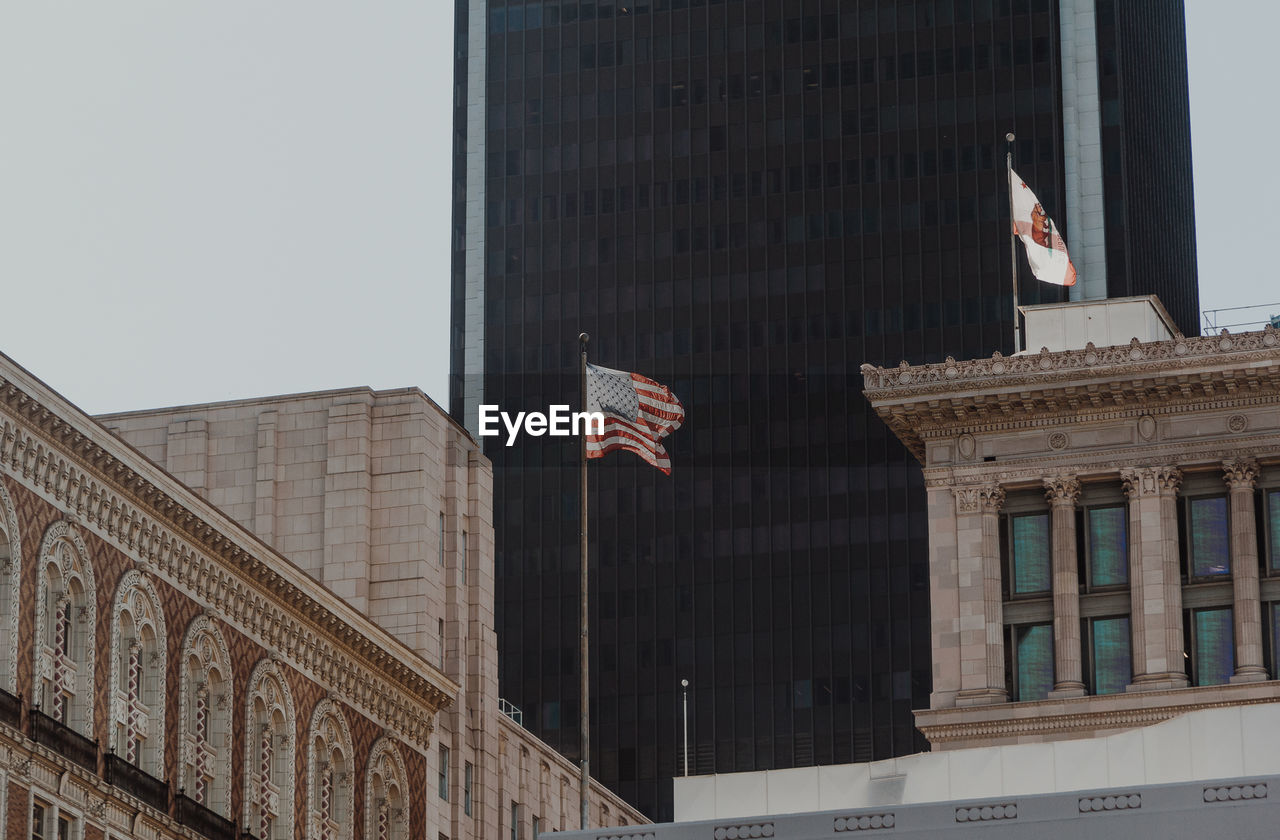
(746, 200)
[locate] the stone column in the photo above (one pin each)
(1155, 578)
(981, 596)
(1063, 492)
(1240, 475)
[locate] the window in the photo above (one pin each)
(515, 820)
(468, 773)
(1108, 662)
(1107, 546)
(330, 782)
(442, 780)
(1208, 551)
(1212, 646)
(10, 574)
(537, 828)
(40, 813)
(138, 674)
(1030, 661)
(1273, 530)
(269, 757)
(441, 539)
(66, 617)
(1029, 554)
(386, 815)
(205, 717)
(440, 635)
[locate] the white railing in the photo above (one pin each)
(511, 711)
(1236, 317)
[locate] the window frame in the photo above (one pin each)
(1085, 548)
(442, 774)
(1189, 636)
(1020, 505)
(1186, 535)
(1088, 664)
(1011, 660)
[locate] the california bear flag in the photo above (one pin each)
(1046, 251)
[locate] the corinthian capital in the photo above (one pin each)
(1062, 490)
(1151, 481)
(1240, 473)
(989, 497)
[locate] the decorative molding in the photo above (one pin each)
(212, 568)
(267, 685)
(136, 595)
(1110, 802)
(204, 642)
(72, 563)
(1054, 726)
(1234, 793)
(1237, 423)
(386, 775)
(744, 831)
(1058, 441)
(999, 370)
(985, 813)
(988, 498)
(1062, 490)
(1151, 481)
(966, 446)
(1146, 427)
(1240, 473)
(13, 570)
(865, 822)
(329, 730)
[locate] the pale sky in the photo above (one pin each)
(204, 201)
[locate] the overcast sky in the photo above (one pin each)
(204, 201)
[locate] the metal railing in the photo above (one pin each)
(1238, 318)
(204, 821)
(511, 711)
(10, 709)
(137, 782)
(64, 740)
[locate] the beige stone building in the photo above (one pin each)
(1104, 530)
(268, 621)
(388, 502)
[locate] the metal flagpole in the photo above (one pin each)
(1013, 243)
(582, 533)
(684, 685)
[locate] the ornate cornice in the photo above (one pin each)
(981, 732)
(1001, 393)
(178, 537)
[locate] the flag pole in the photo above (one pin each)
(583, 338)
(1013, 242)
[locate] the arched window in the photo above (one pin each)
(386, 815)
(66, 617)
(138, 674)
(10, 576)
(330, 782)
(269, 754)
(204, 772)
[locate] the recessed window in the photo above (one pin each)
(1212, 646)
(1273, 530)
(442, 778)
(1209, 553)
(1031, 661)
(1107, 546)
(1109, 660)
(1029, 554)
(468, 777)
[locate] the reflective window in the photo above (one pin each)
(1029, 547)
(1207, 536)
(1110, 660)
(1032, 661)
(1107, 530)
(1212, 646)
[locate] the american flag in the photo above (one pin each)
(638, 414)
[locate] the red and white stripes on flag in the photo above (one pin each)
(638, 414)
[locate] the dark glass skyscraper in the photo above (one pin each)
(746, 200)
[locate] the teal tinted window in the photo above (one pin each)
(1112, 664)
(1033, 649)
(1207, 521)
(1273, 528)
(1214, 657)
(1108, 546)
(1029, 542)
